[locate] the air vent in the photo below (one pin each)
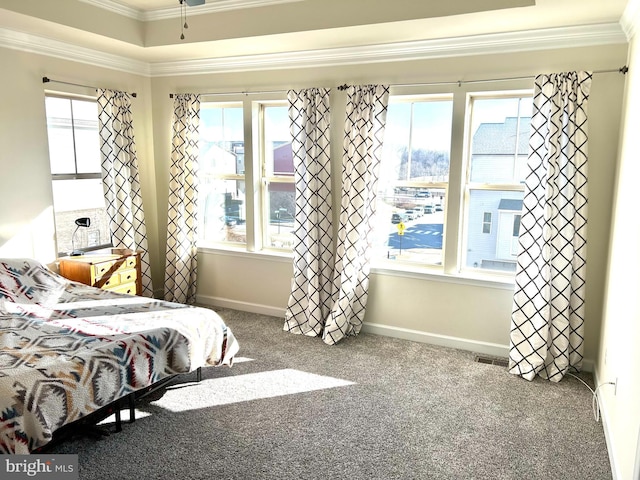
(501, 362)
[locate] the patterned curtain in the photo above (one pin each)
(120, 178)
(548, 305)
(182, 222)
(310, 300)
(364, 131)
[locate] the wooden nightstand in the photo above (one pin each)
(114, 269)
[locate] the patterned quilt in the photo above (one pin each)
(67, 349)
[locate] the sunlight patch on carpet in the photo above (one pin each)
(242, 359)
(244, 388)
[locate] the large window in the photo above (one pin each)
(499, 143)
(450, 188)
(414, 179)
(74, 154)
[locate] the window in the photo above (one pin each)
(279, 189)
(74, 155)
(451, 177)
(230, 213)
(486, 222)
(414, 177)
(222, 187)
(499, 143)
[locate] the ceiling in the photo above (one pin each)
(149, 30)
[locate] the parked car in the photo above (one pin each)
(412, 214)
(428, 209)
(398, 217)
(438, 207)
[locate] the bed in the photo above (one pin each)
(68, 350)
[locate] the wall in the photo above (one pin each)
(619, 360)
(26, 211)
(438, 308)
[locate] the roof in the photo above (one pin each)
(499, 138)
(510, 204)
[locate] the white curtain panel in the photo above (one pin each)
(310, 300)
(364, 131)
(547, 321)
(120, 178)
(182, 222)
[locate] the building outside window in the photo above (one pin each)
(495, 182)
(74, 156)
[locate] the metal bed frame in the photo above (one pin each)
(88, 425)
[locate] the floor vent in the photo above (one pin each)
(501, 362)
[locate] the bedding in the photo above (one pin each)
(67, 349)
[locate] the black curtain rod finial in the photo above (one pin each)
(624, 70)
(342, 87)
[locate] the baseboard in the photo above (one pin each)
(242, 306)
(486, 348)
(608, 436)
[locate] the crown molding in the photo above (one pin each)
(174, 12)
(544, 39)
(117, 8)
(53, 48)
(630, 19)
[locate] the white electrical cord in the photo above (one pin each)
(595, 406)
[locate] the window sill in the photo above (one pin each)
(502, 282)
(229, 250)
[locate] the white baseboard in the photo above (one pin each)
(242, 306)
(608, 435)
(486, 348)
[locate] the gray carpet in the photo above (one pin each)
(370, 407)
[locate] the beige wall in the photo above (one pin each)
(619, 359)
(429, 307)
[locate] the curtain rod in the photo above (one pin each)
(624, 69)
(47, 80)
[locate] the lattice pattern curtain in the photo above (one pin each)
(364, 132)
(182, 223)
(548, 306)
(310, 300)
(120, 178)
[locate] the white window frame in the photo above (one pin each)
(226, 176)
(256, 175)
(268, 177)
(75, 175)
(422, 185)
(468, 186)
